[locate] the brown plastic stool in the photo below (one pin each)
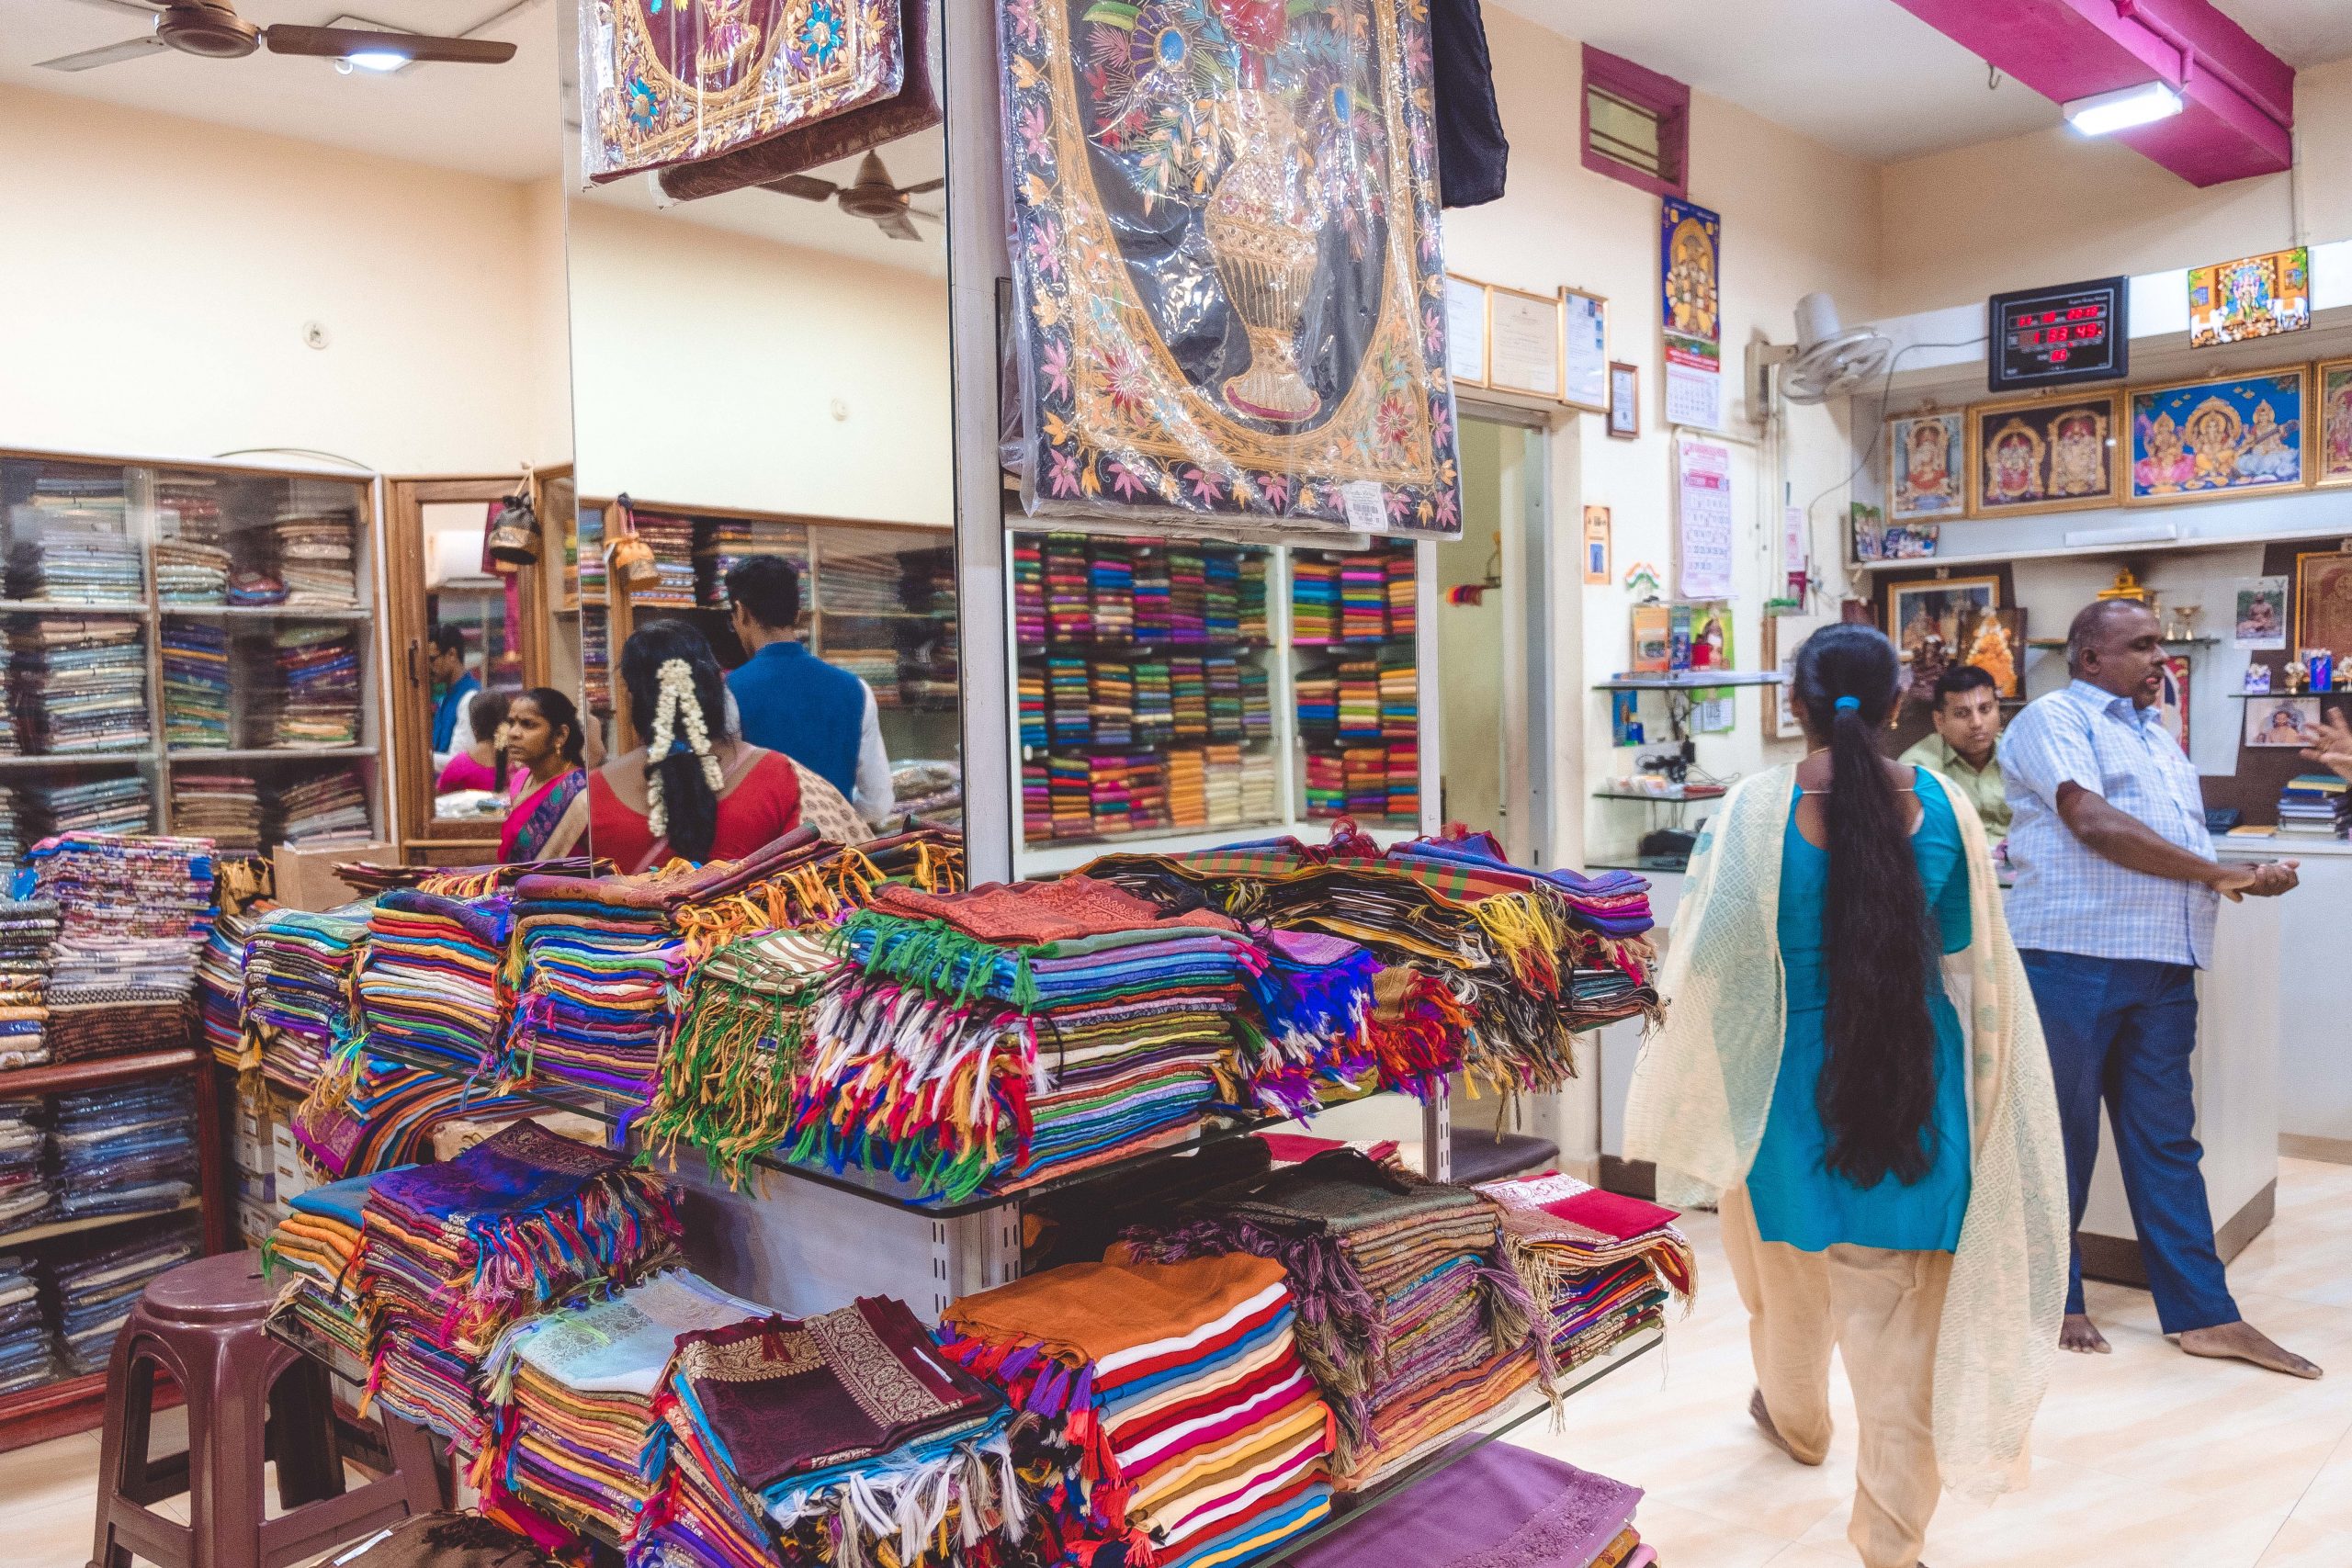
(251, 1398)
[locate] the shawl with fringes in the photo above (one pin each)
(1704, 1085)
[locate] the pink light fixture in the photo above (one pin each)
(2236, 98)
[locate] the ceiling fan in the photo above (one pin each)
(213, 29)
(870, 196)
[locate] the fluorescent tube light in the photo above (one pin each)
(2103, 113)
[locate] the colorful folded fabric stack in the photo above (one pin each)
(195, 684)
(721, 544)
(222, 807)
(313, 1258)
(1364, 598)
(1306, 1041)
(78, 685)
(1410, 1317)
(325, 808)
(28, 1353)
(251, 588)
(1069, 603)
(120, 804)
(455, 1252)
(1314, 599)
(27, 1193)
(1181, 1425)
(29, 929)
(95, 1291)
(1403, 613)
(297, 968)
(127, 1150)
(190, 573)
(841, 1439)
(1031, 687)
(434, 979)
(577, 1388)
(363, 1113)
(135, 911)
(1028, 591)
(220, 991)
(75, 561)
(315, 558)
(1188, 617)
(726, 1077)
(318, 701)
(1603, 1265)
(1493, 1505)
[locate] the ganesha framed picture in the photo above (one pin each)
(2221, 435)
(1923, 468)
(2043, 455)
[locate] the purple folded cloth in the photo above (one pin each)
(1499, 1504)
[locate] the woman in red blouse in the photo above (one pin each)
(693, 791)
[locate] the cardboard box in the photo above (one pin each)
(254, 1224)
(306, 878)
(291, 1177)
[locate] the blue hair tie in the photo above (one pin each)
(1847, 704)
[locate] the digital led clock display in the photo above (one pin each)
(2053, 337)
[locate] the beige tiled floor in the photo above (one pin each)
(2144, 1457)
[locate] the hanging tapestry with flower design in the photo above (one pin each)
(1231, 302)
(678, 81)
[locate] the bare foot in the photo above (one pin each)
(1763, 1419)
(2081, 1336)
(2242, 1342)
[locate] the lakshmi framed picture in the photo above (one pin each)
(2324, 602)
(1923, 468)
(2044, 454)
(2219, 436)
(2332, 401)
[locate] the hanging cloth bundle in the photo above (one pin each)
(513, 541)
(630, 557)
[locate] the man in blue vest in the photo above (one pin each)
(453, 729)
(789, 700)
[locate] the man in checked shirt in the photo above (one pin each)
(2113, 914)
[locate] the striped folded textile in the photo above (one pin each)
(575, 1389)
(1186, 1428)
(726, 1076)
(1491, 1505)
(299, 965)
(1412, 1320)
(313, 1258)
(434, 979)
(1603, 1266)
(453, 1253)
(1034, 1030)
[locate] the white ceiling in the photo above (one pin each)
(1866, 76)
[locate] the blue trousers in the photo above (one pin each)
(2121, 1030)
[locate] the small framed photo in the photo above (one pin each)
(2281, 721)
(1924, 468)
(1596, 546)
(2323, 601)
(2332, 454)
(1624, 400)
(2256, 683)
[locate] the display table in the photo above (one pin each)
(2315, 1039)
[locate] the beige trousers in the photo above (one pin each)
(1880, 1310)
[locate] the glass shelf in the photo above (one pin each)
(1691, 681)
(1678, 798)
(2277, 696)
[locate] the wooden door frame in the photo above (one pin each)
(405, 499)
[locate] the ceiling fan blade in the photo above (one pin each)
(134, 7)
(925, 216)
(338, 43)
(897, 226)
(924, 188)
(91, 59)
(805, 186)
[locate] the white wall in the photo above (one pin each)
(159, 272)
(706, 364)
(1797, 217)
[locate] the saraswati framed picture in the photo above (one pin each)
(2043, 455)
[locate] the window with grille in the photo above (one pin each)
(1636, 123)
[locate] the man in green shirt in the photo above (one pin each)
(1968, 722)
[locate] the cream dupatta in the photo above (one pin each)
(1704, 1085)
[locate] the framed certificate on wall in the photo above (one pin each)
(1586, 355)
(1466, 331)
(1524, 342)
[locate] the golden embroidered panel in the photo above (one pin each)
(1229, 295)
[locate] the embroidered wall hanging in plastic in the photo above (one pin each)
(677, 80)
(1225, 243)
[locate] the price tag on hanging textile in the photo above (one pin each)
(1365, 510)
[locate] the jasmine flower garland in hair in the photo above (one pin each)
(675, 706)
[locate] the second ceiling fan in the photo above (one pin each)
(213, 29)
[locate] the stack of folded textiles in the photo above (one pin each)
(191, 559)
(434, 980)
(224, 808)
(721, 544)
(1411, 1318)
(1306, 1041)
(120, 804)
(312, 1259)
(1602, 1266)
(28, 930)
(135, 913)
(1491, 1505)
(251, 588)
(362, 1113)
(1036, 1029)
(1313, 600)
(318, 705)
(850, 583)
(726, 1076)
(454, 1253)
(672, 539)
(129, 1150)
(1182, 1428)
(78, 685)
(27, 1193)
(297, 967)
(195, 684)
(219, 990)
(96, 1292)
(62, 563)
(1028, 590)
(13, 813)
(840, 1439)
(28, 1354)
(314, 558)
(328, 808)
(574, 1390)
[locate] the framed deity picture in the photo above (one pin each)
(2223, 436)
(2172, 699)
(2332, 400)
(1624, 400)
(1783, 635)
(1998, 647)
(1923, 468)
(2324, 602)
(2251, 296)
(2042, 455)
(2281, 721)
(1934, 621)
